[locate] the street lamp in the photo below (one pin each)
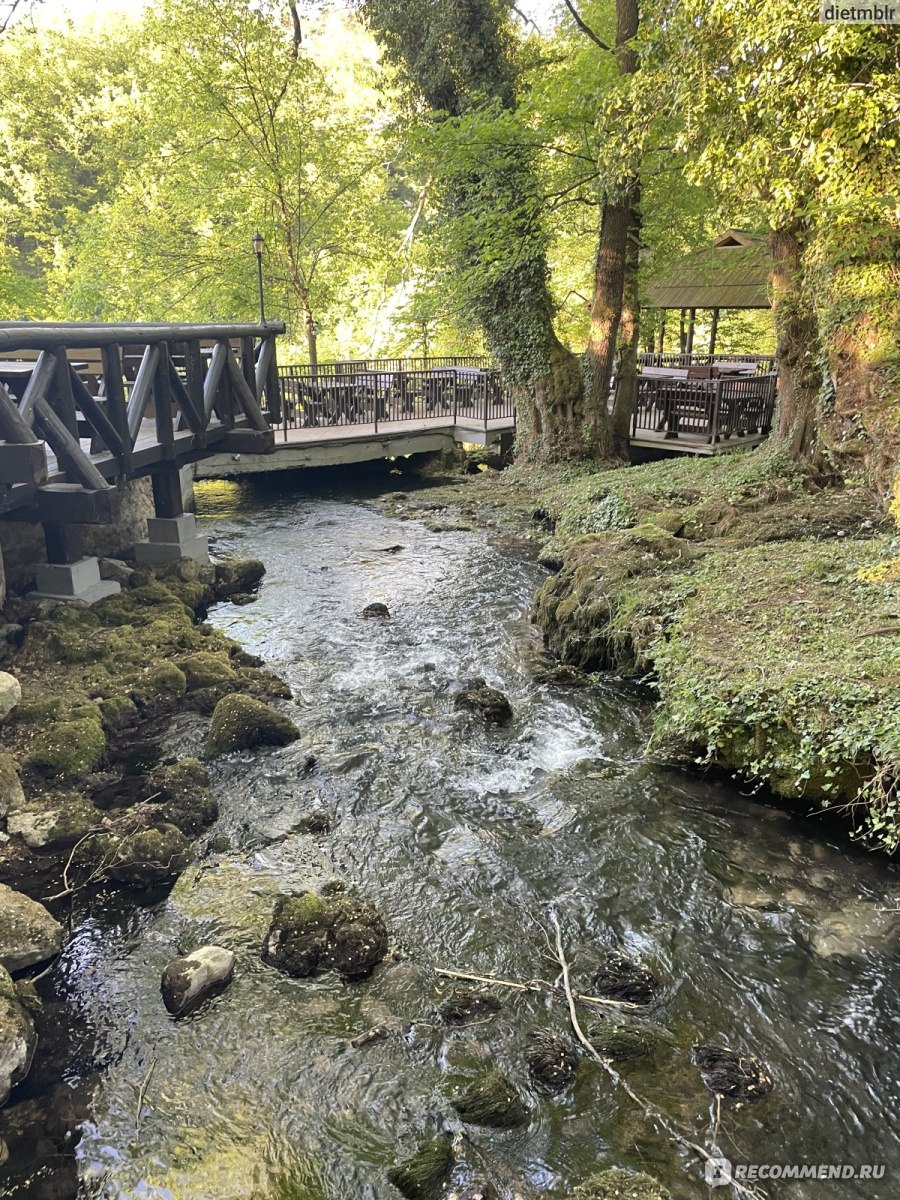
(259, 242)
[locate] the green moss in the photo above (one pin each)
(207, 670)
(68, 748)
(241, 723)
(492, 1101)
(422, 1176)
(147, 856)
(166, 679)
(616, 1184)
(118, 712)
(39, 712)
(141, 605)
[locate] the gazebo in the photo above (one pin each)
(731, 273)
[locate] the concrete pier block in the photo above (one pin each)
(171, 538)
(72, 581)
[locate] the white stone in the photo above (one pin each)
(187, 981)
(10, 693)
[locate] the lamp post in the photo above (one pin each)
(259, 242)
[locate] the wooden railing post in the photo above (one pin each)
(162, 396)
(115, 400)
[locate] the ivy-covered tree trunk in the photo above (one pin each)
(459, 59)
(629, 334)
(797, 348)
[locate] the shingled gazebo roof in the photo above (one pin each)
(731, 273)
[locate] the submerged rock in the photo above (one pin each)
(310, 934)
(241, 723)
(422, 1176)
(621, 977)
(616, 1184)
(10, 693)
(563, 675)
(493, 1101)
(731, 1075)
(17, 1037)
(618, 1039)
(378, 611)
(552, 1061)
(188, 981)
(465, 1005)
(476, 696)
(28, 933)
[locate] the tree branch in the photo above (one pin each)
(586, 28)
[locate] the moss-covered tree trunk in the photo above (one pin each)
(797, 347)
(459, 58)
(629, 334)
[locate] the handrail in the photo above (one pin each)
(42, 335)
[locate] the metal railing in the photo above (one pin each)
(712, 409)
(764, 363)
(349, 366)
(332, 395)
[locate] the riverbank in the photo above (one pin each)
(759, 603)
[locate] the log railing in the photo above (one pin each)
(89, 405)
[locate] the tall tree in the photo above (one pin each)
(460, 61)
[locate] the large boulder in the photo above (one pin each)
(187, 981)
(17, 1037)
(10, 693)
(240, 723)
(53, 821)
(310, 934)
(28, 933)
(11, 794)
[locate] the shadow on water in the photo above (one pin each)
(767, 937)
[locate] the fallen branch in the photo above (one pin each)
(142, 1093)
(534, 985)
(648, 1109)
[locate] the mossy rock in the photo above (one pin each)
(310, 934)
(141, 605)
(53, 821)
(616, 1184)
(118, 713)
(488, 702)
(89, 711)
(183, 795)
(422, 1176)
(11, 793)
(241, 723)
(493, 1101)
(237, 576)
(147, 856)
(194, 594)
(39, 712)
(206, 669)
(166, 679)
(67, 748)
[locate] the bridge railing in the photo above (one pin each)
(115, 401)
(334, 396)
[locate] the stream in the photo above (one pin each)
(771, 933)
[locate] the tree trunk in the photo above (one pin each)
(797, 350)
(312, 342)
(629, 334)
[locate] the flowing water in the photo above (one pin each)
(770, 935)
